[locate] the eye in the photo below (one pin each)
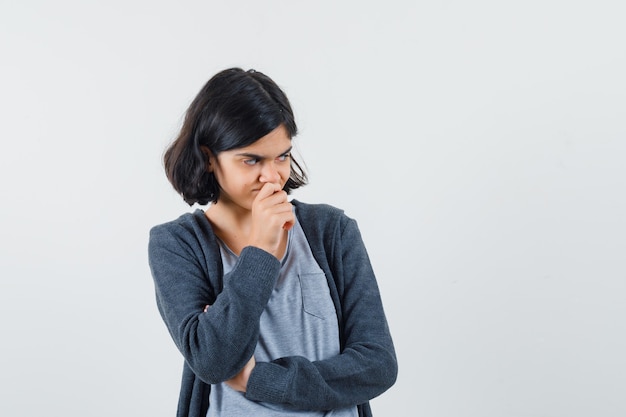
(252, 161)
(284, 157)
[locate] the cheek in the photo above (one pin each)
(235, 181)
(285, 172)
(223, 179)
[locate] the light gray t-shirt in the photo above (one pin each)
(299, 320)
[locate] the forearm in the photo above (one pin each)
(364, 369)
(217, 343)
(349, 379)
(367, 364)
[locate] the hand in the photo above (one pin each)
(240, 381)
(272, 214)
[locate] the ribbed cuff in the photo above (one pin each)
(260, 270)
(268, 382)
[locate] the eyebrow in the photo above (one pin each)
(255, 156)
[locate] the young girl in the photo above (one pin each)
(273, 303)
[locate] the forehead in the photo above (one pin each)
(273, 144)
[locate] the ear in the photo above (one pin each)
(208, 157)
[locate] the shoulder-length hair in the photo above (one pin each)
(234, 109)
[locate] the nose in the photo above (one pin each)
(269, 173)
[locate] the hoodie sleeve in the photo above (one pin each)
(366, 366)
(217, 343)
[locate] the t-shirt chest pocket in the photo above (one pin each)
(316, 299)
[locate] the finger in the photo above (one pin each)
(268, 189)
(287, 216)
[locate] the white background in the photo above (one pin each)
(480, 145)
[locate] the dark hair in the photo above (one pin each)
(234, 109)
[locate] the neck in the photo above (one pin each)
(230, 224)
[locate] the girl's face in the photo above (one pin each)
(242, 172)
